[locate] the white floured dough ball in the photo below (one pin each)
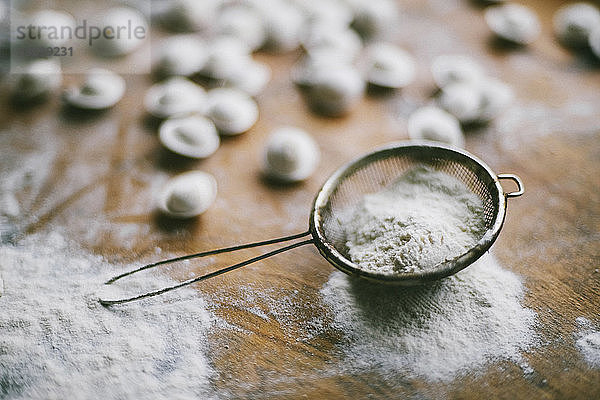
(290, 155)
(173, 97)
(304, 71)
(189, 15)
(36, 80)
(229, 64)
(333, 39)
(101, 89)
(328, 12)
(283, 23)
(232, 111)
(432, 123)
(476, 102)
(513, 22)
(573, 23)
(188, 195)
(372, 19)
(495, 96)
(242, 22)
(335, 92)
(461, 100)
(48, 37)
(193, 136)
(447, 69)
(180, 55)
(226, 55)
(250, 77)
(115, 42)
(389, 66)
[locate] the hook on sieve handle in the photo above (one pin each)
(520, 187)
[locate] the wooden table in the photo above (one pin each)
(103, 171)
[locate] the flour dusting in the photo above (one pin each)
(423, 218)
(436, 332)
(587, 342)
(57, 341)
(298, 319)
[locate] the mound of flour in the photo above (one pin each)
(57, 341)
(437, 332)
(420, 220)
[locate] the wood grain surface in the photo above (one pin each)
(104, 169)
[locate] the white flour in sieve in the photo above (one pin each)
(587, 341)
(438, 332)
(57, 341)
(423, 218)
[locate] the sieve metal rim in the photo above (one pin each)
(444, 269)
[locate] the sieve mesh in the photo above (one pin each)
(372, 173)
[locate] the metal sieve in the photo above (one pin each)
(348, 186)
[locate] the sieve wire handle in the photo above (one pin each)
(520, 187)
(211, 274)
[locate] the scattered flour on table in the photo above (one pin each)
(588, 342)
(299, 318)
(420, 220)
(58, 342)
(437, 332)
